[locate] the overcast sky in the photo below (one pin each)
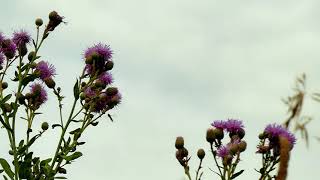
(180, 64)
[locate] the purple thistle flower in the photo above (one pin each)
(223, 151)
(275, 130)
(233, 126)
(89, 92)
(220, 124)
(39, 94)
(101, 50)
(45, 69)
(21, 38)
(106, 78)
(8, 48)
(114, 100)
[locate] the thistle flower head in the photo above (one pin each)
(89, 92)
(275, 130)
(101, 50)
(21, 37)
(106, 78)
(223, 151)
(233, 126)
(220, 124)
(54, 20)
(8, 48)
(38, 95)
(45, 69)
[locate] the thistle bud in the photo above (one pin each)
(20, 98)
(179, 142)
(7, 107)
(4, 85)
(50, 83)
(53, 15)
(108, 66)
(262, 136)
(28, 96)
(242, 146)
(234, 149)
(44, 126)
(39, 22)
(112, 91)
(82, 96)
(201, 153)
(210, 135)
(218, 133)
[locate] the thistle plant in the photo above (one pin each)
(275, 145)
(33, 79)
(226, 156)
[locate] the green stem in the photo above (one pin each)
(63, 133)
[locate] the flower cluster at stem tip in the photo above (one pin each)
(270, 139)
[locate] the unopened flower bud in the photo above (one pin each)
(50, 83)
(184, 152)
(242, 146)
(53, 15)
(218, 133)
(28, 96)
(262, 136)
(112, 91)
(108, 66)
(210, 136)
(39, 22)
(44, 126)
(234, 148)
(7, 107)
(82, 96)
(11, 152)
(83, 84)
(201, 153)
(179, 142)
(20, 98)
(4, 85)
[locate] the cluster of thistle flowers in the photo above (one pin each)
(230, 152)
(270, 147)
(96, 93)
(16, 47)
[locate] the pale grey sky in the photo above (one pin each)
(180, 64)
